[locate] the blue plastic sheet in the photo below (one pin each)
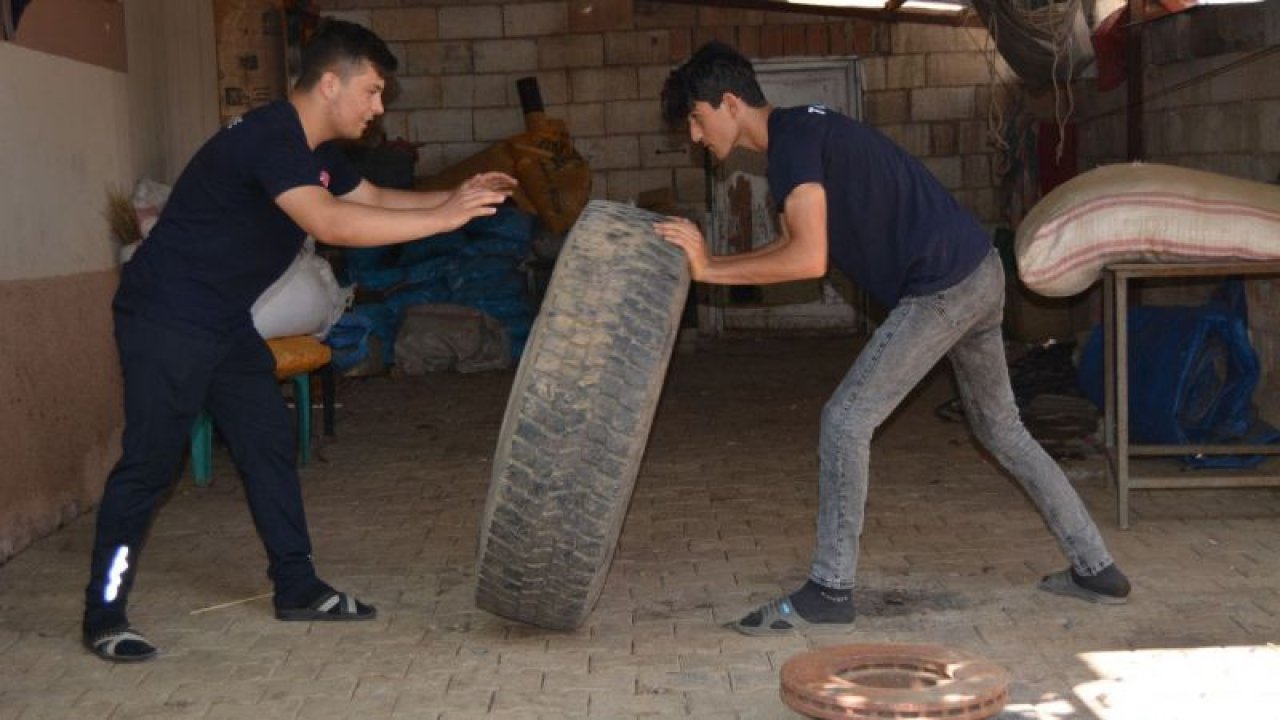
(477, 266)
(1192, 374)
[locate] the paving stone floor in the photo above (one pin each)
(722, 519)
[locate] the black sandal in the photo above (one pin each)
(123, 644)
(331, 605)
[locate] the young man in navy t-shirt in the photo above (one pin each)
(849, 196)
(235, 220)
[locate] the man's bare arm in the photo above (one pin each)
(367, 193)
(347, 222)
(799, 253)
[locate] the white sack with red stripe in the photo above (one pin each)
(1143, 213)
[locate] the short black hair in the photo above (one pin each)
(340, 46)
(712, 71)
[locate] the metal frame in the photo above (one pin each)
(1119, 449)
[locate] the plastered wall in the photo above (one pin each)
(71, 131)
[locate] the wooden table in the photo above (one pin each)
(1119, 449)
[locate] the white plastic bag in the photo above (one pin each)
(306, 300)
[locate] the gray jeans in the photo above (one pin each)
(962, 322)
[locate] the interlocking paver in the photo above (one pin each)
(721, 520)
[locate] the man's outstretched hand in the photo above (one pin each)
(477, 196)
(685, 234)
(499, 182)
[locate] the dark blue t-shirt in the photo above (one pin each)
(892, 228)
(221, 240)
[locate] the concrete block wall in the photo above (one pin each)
(600, 65)
(1211, 76)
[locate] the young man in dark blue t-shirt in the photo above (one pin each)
(235, 220)
(849, 196)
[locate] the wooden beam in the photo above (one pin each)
(968, 18)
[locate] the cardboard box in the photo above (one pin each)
(250, 39)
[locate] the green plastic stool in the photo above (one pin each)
(202, 431)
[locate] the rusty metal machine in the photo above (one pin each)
(555, 181)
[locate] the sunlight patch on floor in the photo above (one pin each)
(1183, 683)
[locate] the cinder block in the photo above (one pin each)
(665, 150)
(912, 137)
(749, 41)
(873, 73)
(473, 90)
(505, 55)
(974, 137)
(600, 15)
(596, 84)
(948, 170)
(626, 185)
(395, 123)
(681, 44)
(1268, 114)
(650, 79)
(815, 40)
(553, 85)
(393, 24)
(599, 186)
(795, 40)
(982, 202)
(887, 108)
(904, 71)
(910, 38)
(643, 47)
(633, 116)
(359, 17)
(977, 171)
(430, 160)
(470, 21)
(610, 152)
(569, 51)
(941, 104)
(958, 68)
(944, 138)
(773, 42)
(729, 16)
(583, 119)
(454, 152)
(440, 126)
(727, 34)
(415, 92)
(647, 15)
(691, 185)
(545, 18)
(437, 58)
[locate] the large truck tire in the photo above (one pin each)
(578, 418)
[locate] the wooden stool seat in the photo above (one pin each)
(296, 358)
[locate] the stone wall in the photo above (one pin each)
(601, 64)
(1214, 104)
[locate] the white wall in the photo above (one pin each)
(66, 140)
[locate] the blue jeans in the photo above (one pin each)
(962, 322)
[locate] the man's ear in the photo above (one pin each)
(329, 84)
(731, 102)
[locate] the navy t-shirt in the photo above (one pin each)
(892, 228)
(221, 240)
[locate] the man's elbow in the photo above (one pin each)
(328, 235)
(816, 268)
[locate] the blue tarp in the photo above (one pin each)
(477, 266)
(1192, 374)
